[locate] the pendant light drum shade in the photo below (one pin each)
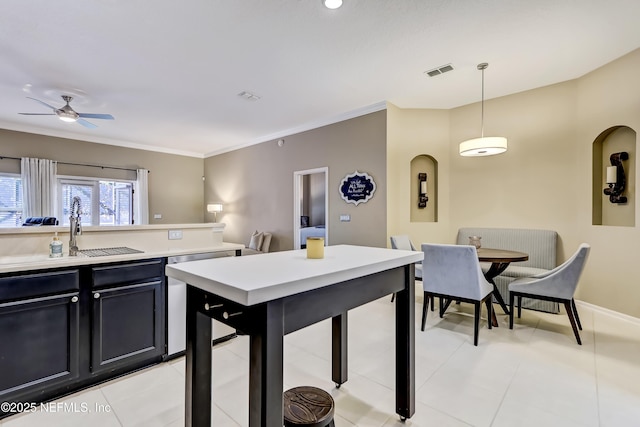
(485, 145)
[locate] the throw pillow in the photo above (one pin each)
(256, 241)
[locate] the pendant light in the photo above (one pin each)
(483, 146)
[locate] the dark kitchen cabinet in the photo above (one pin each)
(39, 331)
(127, 325)
(127, 315)
(63, 330)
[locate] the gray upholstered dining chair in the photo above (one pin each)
(557, 285)
(453, 272)
(403, 242)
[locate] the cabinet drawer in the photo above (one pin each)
(38, 284)
(127, 273)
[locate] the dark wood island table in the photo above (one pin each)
(269, 295)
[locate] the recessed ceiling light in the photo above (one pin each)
(332, 4)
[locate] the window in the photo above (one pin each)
(103, 202)
(10, 200)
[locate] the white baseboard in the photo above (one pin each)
(609, 312)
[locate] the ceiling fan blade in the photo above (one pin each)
(96, 116)
(37, 114)
(86, 124)
(43, 103)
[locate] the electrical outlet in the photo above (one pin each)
(157, 216)
(175, 234)
(345, 218)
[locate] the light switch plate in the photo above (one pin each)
(175, 234)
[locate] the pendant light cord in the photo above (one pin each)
(482, 67)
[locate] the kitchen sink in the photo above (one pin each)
(121, 250)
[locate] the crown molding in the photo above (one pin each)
(305, 127)
(95, 139)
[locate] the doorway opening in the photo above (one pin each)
(310, 206)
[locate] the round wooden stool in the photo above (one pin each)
(308, 406)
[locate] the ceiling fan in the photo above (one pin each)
(68, 114)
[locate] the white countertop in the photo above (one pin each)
(10, 264)
(259, 278)
(64, 229)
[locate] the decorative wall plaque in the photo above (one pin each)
(357, 188)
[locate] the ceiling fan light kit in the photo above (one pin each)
(332, 4)
(69, 115)
(483, 146)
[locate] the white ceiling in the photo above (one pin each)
(171, 71)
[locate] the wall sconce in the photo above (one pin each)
(215, 208)
(422, 190)
(616, 178)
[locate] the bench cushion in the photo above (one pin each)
(515, 271)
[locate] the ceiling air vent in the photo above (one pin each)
(248, 96)
(440, 70)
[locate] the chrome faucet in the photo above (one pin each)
(75, 225)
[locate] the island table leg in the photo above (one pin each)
(405, 347)
(339, 368)
(197, 409)
(266, 367)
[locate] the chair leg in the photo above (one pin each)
(476, 322)
(445, 306)
(519, 306)
(433, 302)
(575, 312)
(569, 309)
(512, 297)
(425, 303)
(393, 296)
(489, 305)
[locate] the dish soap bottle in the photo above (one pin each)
(55, 247)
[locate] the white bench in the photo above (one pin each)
(539, 244)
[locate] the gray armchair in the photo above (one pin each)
(557, 285)
(259, 244)
(403, 242)
(453, 272)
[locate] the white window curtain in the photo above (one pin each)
(141, 198)
(38, 187)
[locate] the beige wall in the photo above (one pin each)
(411, 133)
(544, 180)
(255, 184)
(608, 97)
(533, 184)
(175, 182)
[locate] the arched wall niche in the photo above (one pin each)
(616, 139)
(424, 163)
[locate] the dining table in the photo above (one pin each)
(270, 295)
(500, 260)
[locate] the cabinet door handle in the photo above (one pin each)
(74, 299)
(96, 295)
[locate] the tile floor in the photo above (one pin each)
(534, 375)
